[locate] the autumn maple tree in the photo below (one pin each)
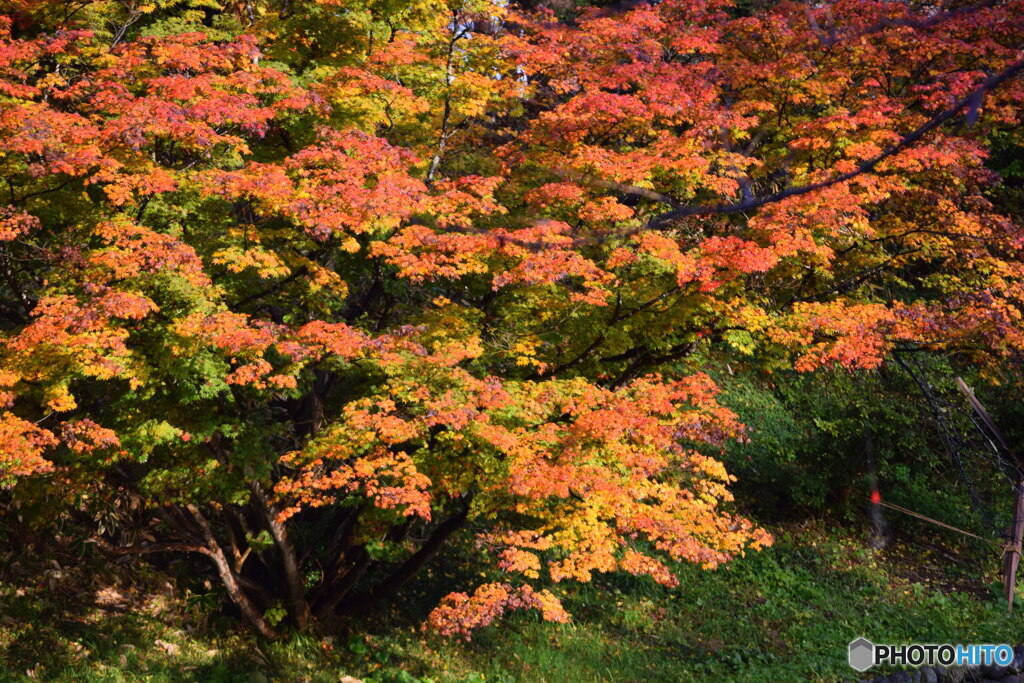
(306, 287)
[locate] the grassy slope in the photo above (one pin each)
(783, 614)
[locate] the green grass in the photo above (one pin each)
(786, 613)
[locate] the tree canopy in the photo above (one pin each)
(307, 287)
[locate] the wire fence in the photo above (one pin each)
(985, 462)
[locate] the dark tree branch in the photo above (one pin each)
(852, 282)
(272, 288)
(668, 218)
(346, 577)
(405, 571)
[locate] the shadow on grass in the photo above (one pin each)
(103, 622)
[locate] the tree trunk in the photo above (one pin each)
(227, 577)
(344, 582)
(298, 607)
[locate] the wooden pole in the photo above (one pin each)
(986, 418)
(1011, 556)
(1012, 550)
